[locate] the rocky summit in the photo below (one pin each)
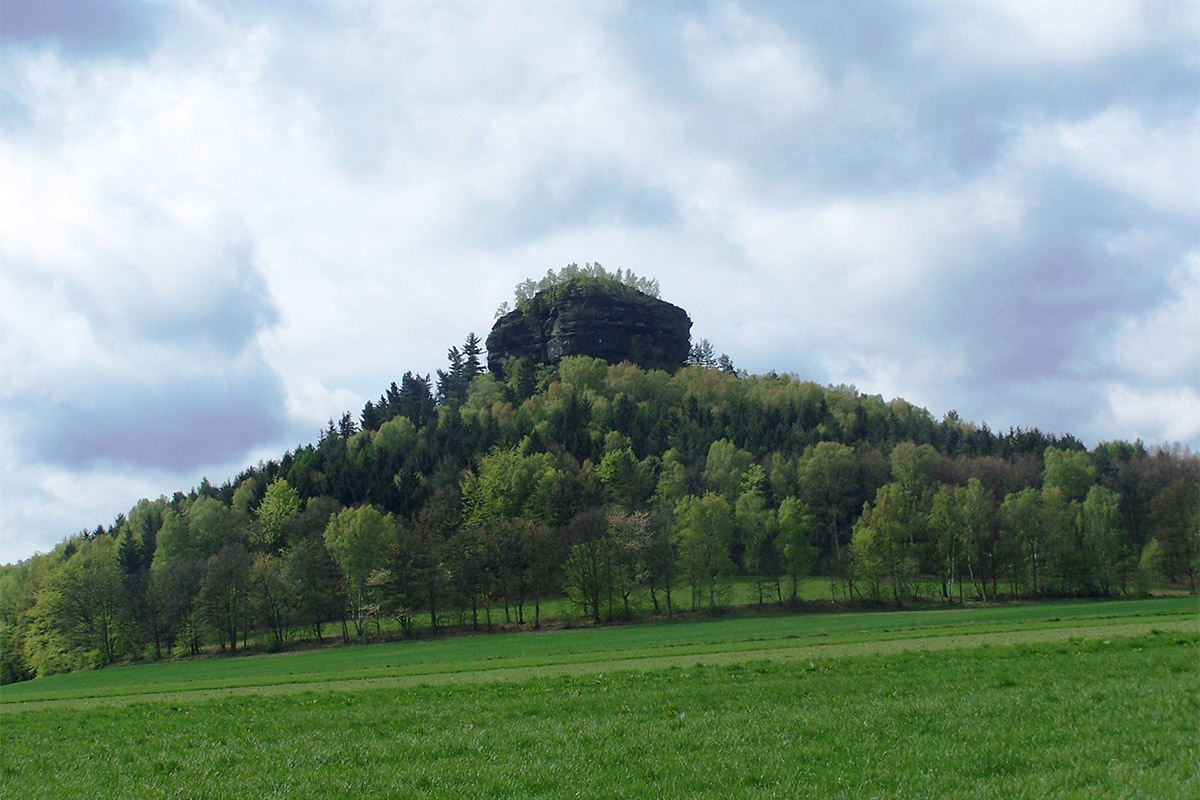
(616, 325)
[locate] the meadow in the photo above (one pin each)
(1078, 699)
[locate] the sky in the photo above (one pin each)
(224, 223)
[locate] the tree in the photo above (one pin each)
(313, 574)
(1070, 471)
(361, 541)
(464, 364)
(472, 353)
(427, 538)
(1023, 518)
(1150, 567)
(316, 584)
(175, 585)
(796, 530)
(626, 480)
(83, 600)
(587, 572)
(1104, 539)
(980, 540)
(912, 469)
(829, 477)
(272, 596)
(757, 528)
(226, 592)
(209, 523)
(627, 532)
(880, 546)
(702, 354)
(245, 496)
(554, 283)
(280, 503)
(1065, 564)
(1175, 512)
(704, 530)
(450, 384)
(174, 540)
(725, 469)
(414, 400)
(659, 557)
(946, 523)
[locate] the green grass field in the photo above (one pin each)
(1085, 699)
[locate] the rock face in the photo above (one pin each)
(582, 320)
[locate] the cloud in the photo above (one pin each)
(149, 358)
(179, 422)
(222, 224)
(84, 27)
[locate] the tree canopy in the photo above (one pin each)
(610, 487)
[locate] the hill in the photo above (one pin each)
(614, 489)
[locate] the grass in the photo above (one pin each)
(1088, 699)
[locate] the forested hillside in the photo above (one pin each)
(625, 490)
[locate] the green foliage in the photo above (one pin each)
(725, 468)
(1175, 510)
(757, 528)
(361, 541)
(1150, 567)
(704, 531)
(174, 541)
(396, 437)
(553, 284)
(76, 615)
(280, 503)
(1070, 471)
(486, 490)
(797, 529)
(225, 595)
(913, 469)
(510, 483)
(1105, 542)
(208, 524)
(627, 481)
(878, 548)
(245, 497)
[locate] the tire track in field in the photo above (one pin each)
(805, 651)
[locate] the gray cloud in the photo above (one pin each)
(151, 359)
(987, 207)
(207, 413)
(556, 197)
(85, 27)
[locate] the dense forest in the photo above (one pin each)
(464, 501)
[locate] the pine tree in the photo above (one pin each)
(472, 351)
(450, 384)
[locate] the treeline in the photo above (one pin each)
(466, 502)
(554, 282)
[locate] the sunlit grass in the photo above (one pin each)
(1096, 717)
(478, 657)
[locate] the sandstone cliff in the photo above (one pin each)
(587, 320)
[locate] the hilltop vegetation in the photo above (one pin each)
(623, 490)
(555, 282)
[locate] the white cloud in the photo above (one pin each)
(1028, 33)
(1163, 345)
(751, 68)
(1161, 416)
(292, 206)
(1156, 162)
